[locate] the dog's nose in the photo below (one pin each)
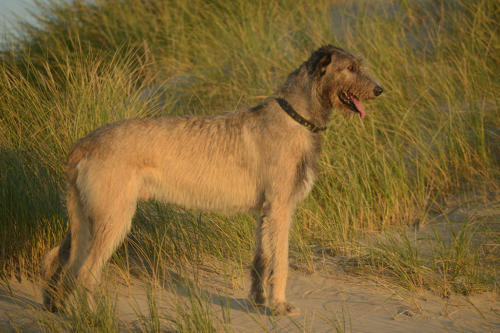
(377, 90)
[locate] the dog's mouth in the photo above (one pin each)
(352, 102)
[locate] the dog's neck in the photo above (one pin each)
(297, 117)
(308, 105)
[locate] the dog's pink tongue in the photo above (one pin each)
(360, 107)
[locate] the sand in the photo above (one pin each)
(329, 301)
(350, 303)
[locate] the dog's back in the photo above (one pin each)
(206, 163)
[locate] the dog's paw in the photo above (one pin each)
(284, 309)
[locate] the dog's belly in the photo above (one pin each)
(222, 188)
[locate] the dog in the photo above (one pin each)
(262, 159)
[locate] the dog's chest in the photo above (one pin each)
(306, 169)
(305, 177)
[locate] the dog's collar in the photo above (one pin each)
(297, 117)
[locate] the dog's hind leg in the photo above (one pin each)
(54, 265)
(58, 265)
(111, 217)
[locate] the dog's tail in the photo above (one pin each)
(77, 153)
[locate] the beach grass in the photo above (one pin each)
(432, 135)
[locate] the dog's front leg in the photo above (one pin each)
(271, 259)
(279, 227)
(261, 261)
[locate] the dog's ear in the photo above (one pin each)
(319, 61)
(323, 63)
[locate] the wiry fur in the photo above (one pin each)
(256, 159)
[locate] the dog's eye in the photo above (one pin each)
(352, 68)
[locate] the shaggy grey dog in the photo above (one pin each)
(262, 158)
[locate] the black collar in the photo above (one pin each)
(297, 117)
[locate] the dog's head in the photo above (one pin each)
(341, 80)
